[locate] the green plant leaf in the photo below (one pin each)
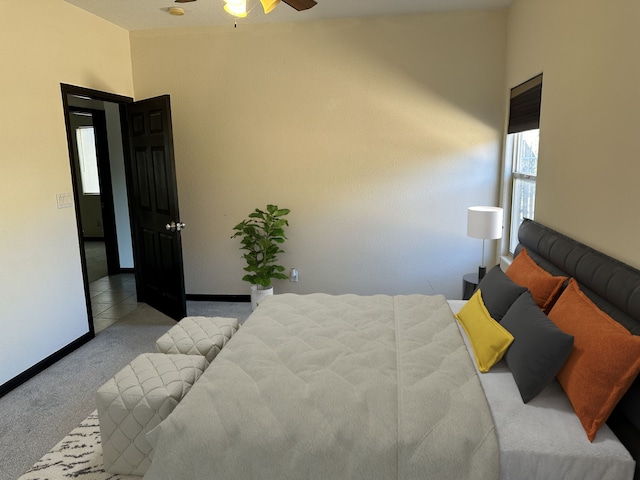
(261, 234)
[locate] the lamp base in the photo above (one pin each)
(482, 271)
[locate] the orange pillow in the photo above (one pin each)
(604, 362)
(543, 286)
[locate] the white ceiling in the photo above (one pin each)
(147, 14)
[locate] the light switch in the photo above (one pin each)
(64, 200)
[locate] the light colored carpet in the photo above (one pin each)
(37, 414)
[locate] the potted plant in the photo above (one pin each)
(262, 234)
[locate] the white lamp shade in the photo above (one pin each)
(484, 222)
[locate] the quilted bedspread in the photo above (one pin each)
(334, 387)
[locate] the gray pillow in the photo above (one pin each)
(499, 292)
(539, 348)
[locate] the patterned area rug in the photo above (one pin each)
(78, 455)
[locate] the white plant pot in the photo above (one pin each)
(257, 295)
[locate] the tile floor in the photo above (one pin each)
(112, 298)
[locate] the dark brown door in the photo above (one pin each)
(155, 218)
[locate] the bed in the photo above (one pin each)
(614, 287)
(386, 387)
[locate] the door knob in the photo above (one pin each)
(173, 226)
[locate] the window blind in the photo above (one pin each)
(524, 107)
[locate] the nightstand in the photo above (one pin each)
(469, 284)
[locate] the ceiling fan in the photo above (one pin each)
(238, 8)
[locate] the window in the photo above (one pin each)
(523, 135)
(523, 180)
(86, 141)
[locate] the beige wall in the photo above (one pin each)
(588, 168)
(377, 133)
(45, 43)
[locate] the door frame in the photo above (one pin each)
(122, 101)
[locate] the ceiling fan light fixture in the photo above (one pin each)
(237, 8)
(269, 5)
(176, 11)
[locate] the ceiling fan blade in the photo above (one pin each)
(300, 4)
(184, 1)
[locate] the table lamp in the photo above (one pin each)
(484, 223)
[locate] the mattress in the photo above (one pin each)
(543, 439)
(334, 387)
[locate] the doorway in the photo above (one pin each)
(90, 143)
(96, 152)
(135, 170)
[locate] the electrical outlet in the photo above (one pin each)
(293, 276)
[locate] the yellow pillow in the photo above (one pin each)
(488, 338)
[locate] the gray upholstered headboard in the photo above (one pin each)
(610, 284)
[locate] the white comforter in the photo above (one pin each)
(334, 387)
